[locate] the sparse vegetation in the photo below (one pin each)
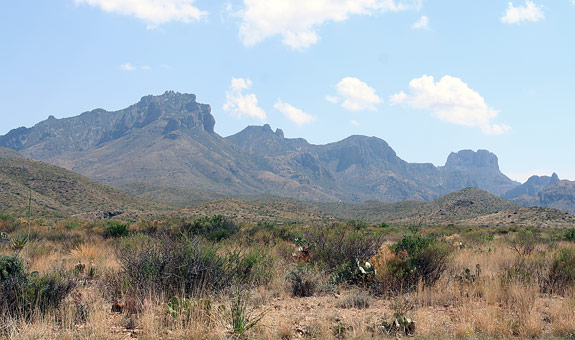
(173, 279)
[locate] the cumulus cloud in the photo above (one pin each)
(296, 21)
(451, 100)
(127, 67)
(356, 95)
(154, 12)
(529, 12)
(240, 104)
(294, 114)
(421, 24)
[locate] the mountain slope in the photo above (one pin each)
(361, 168)
(545, 191)
(60, 192)
(169, 141)
(469, 206)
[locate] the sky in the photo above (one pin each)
(429, 77)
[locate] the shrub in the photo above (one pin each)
(253, 266)
(359, 301)
(47, 291)
(213, 228)
(339, 250)
(7, 222)
(116, 229)
(172, 265)
(10, 267)
(523, 243)
(569, 235)
(265, 233)
(302, 282)
(357, 224)
(417, 258)
(562, 271)
(192, 265)
(22, 294)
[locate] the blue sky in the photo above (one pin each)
(429, 77)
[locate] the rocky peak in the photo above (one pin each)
(470, 158)
(170, 106)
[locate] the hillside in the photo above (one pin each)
(169, 141)
(60, 192)
(545, 191)
(469, 206)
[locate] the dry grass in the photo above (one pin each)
(487, 306)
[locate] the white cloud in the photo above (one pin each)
(529, 12)
(294, 114)
(421, 24)
(130, 67)
(127, 67)
(242, 105)
(296, 21)
(356, 95)
(332, 99)
(451, 100)
(154, 12)
(355, 123)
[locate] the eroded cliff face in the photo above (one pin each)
(53, 137)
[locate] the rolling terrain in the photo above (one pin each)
(60, 192)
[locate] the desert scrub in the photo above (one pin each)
(23, 294)
(8, 223)
(173, 264)
(416, 259)
(306, 281)
(562, 271)
(251, 266)
(214, 228)
(116, 229)
(354, 300)
(339, 249)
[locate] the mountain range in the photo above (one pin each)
(168, 141)
(57, 192)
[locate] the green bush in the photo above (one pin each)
(214, 228)
(417, 259)
(253, 266)
(562, 271)
(8, 223)
(339, 250)
(47, 291)
(10, 267)
(117, 229)
(22, 295)
(569, 235)
(173, 264)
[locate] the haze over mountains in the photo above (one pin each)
(169, 141)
